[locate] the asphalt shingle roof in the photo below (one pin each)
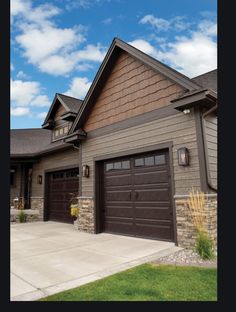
(31, 141)
(72, 103)
(207, 80)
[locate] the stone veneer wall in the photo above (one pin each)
(37, 203)
(186, 232)
(86, 221)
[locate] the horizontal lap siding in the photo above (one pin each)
(179, 128)
(210, 124)
(15, 190)
(60, 159)
(131, 90)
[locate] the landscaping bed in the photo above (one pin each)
(148, 282)
(187, 257)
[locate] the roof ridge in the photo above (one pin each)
(69, 96)
(204, 73)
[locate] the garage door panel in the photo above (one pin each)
(121, 180)
(153, 213)
(151, 195)
(118, 196)
(118, 211)
(154, 231)
(150, 177)
(119, 227)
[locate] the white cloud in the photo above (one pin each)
(159, 24)
(23, 92)
(27, 93)
(41, 115)
(192, 55)
(107, 21)
(51, 49)
(78, 87)
(22, 75)
(177, 23)
(41, 101)
(12, 67)
(20, 111)
(91, 53)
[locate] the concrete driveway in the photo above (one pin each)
(49, 257)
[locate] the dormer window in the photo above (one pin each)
(60, 132)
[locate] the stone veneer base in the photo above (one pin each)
(186, 232)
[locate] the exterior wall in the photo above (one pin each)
(131, 89)
(210, 131)
(66, 158)
(186, 232)
(86, 222)
(179, 129)
(15, 190)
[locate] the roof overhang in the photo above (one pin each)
(69, 116)
(76, 136)
(49, 124)
(206, 98)
(34, 156)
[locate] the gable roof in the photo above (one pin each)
(207, 80)
(32, 142)
(71, 105)
(118, 45)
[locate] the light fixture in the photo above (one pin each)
(183, 156)
(39, 179)
(186, 111)
(85, 171)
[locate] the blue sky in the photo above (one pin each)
(58, 45)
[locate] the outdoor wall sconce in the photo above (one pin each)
(183, 156)
(39, 179)
(85, 171)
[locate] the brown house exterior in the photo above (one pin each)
(135, 117)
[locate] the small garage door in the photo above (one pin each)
(61, 187)
(137, 196)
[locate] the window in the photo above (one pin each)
(139, 162)
(118, 165)
(149, 161)
(160, 160)
(60, 132)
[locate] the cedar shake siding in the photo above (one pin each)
(210, 130)
(131, 89)
(179, 129)
(67, 158)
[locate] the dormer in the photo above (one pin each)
(61, 115)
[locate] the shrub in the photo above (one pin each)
(204, 245)
(196, 205)
(22, 217)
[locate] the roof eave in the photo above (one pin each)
(205, 98)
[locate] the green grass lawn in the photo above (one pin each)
(148, 282)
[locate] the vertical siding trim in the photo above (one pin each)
(201, 150)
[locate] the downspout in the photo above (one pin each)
(205, 147)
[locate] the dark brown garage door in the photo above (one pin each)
(137, 196)
(61, 186)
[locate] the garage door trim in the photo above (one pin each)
(98, 163)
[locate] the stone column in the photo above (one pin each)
(186, 232)
(37, 203)
(86, 222)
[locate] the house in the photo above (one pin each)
(144, 135)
